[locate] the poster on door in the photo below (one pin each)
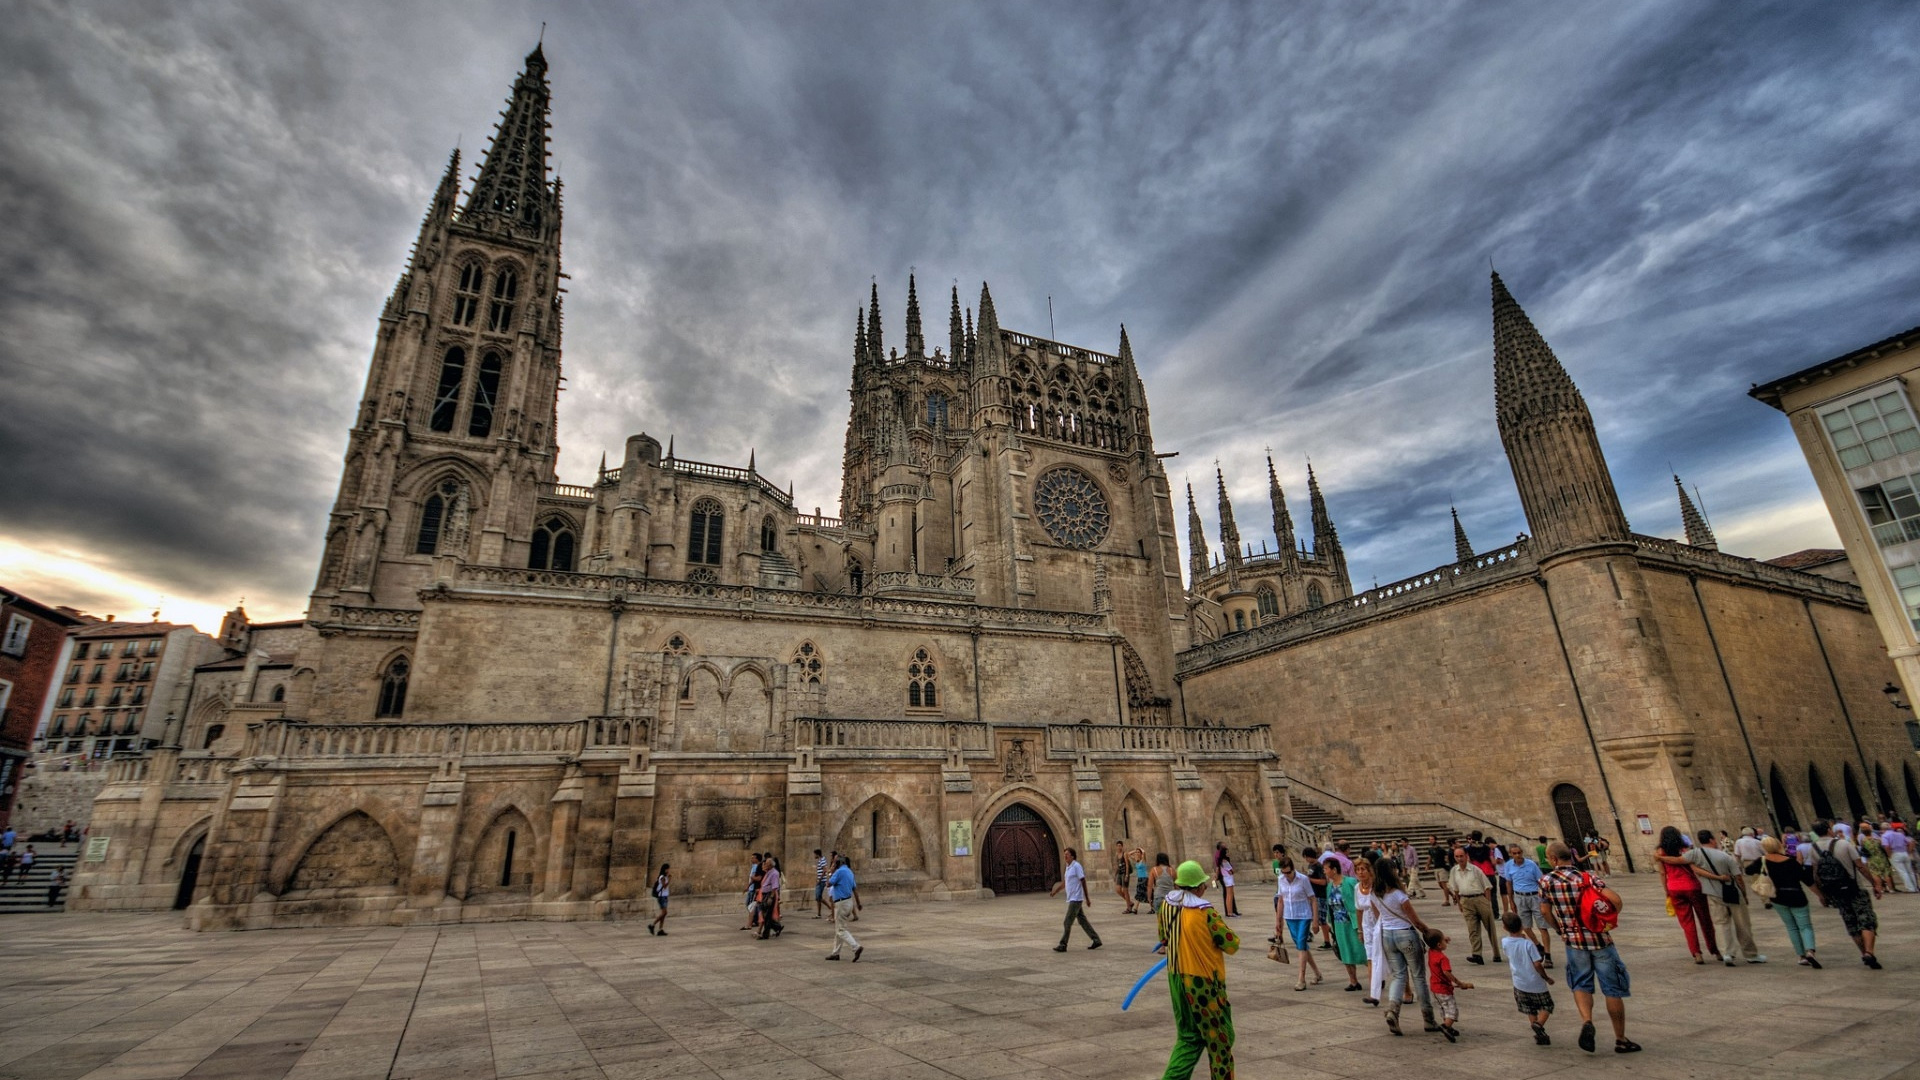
(1092, 832)
(960, 838)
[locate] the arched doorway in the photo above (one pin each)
(1020, 854)
(1913, 790)
(1884, 790)
(1576, 820)
(1822, 806)
(1855, 803)
(190, 875)
(1783, 811)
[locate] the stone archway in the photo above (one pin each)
(1576, 818)
(1020, 854)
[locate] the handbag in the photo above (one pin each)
(1761, 884)
(1277, 952)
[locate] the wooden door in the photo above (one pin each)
(1020, 855)
(1576, 820)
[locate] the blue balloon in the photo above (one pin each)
(1144, 979)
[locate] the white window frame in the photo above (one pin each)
(19, 629)
(6, 692)
(1846, 403)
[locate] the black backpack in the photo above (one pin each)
(1835, 878)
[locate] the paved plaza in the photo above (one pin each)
(967, 990)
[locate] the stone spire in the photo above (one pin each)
(1282, 518)
(1196, 541)
(1548, 434)
(973, 345)
(1126, 351)
(860, 353)
(916, 341)
(1325, 536)
(876, 345)
(1229, 532)
(986, 346)
(1699, 533)
(511, 190)
(1462, 548)
(956, 335)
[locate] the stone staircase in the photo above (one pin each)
(777, 571)
(1360, 834)
(29, 895)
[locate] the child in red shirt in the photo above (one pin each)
(1442, 981)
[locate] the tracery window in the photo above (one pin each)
(1239, 621)
(446, 399)
(921, 692)
(553, 545)
(703, 535)
(677, 646)
(937, 411)
(466, 295)
(1315, 598)
(1071, 508)
(393, 689)
(769, 536)
(506, 287)
(1269, 603)
(486, 391)
(703, 575)
(433, 516)
(856, 576)
(806, 659)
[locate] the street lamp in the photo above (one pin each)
(1893, 697)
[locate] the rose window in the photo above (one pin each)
(1071, 508)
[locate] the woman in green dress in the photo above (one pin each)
(1343, 913)
(1876, 855)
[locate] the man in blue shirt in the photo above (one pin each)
(840, 886)
(1074, 880)
(1520, 880)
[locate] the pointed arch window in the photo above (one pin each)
(446, 398)
(433, 516)
(1315, 598)
(486, 391)
(1269, 603)
(553, 545)
(807, 661)
(937, 411)
(703, 535)
(466, 294)
(769, 536)
(393, 689)
(506, 288)
(279, 694)
(856, 576)
(921, 690)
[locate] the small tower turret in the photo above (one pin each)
(1282, 518)
(1462, 549)
(916, 341)
(1229, 532)
(1699, 532)
(1197, 557)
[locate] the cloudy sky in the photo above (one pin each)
(1292, 211)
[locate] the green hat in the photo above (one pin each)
(1190, 875)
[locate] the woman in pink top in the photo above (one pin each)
(1683, 892)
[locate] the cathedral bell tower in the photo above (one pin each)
(455, 432)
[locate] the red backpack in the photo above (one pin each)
(1597, 913)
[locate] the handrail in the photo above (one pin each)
(1450, 808)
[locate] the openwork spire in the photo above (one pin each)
(860, 355)
(1548, 434)
(1325, 536)
(1196, 540)
(1699, 533)
(876, 345)
(916, 341)
(956, 334)
(511, 189)
(973, 346)
(1229, 532)
(1462, 548)
(1126, 350)
(1282, 517)
(986, 345)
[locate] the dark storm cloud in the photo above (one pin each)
(1293, 213)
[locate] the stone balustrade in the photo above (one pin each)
(1122, 740)
(938, 736)
(1658, 549)
(294, 741)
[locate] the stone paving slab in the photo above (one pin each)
(968, 990)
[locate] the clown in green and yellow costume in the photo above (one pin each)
(1197, 941)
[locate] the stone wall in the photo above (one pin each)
(1468, 701)
(50, 797)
